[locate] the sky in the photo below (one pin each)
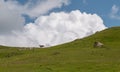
(53, 22)
(109, 11)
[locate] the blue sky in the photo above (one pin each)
(102, 8)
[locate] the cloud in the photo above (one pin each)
(12, 11)
(9, 20)
(84, 1)
(114, 12)
(36, 8)
(45, 6)
(54, 29)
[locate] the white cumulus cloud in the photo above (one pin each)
(54, 29)
(11, 12)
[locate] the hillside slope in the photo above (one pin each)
(76, 56)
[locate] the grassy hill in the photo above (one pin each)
(76, 56)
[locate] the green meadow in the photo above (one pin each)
(76, 56)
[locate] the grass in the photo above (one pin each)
(76, 56)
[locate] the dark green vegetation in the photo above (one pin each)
(76, 56)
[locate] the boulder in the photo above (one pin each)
(98, 44)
